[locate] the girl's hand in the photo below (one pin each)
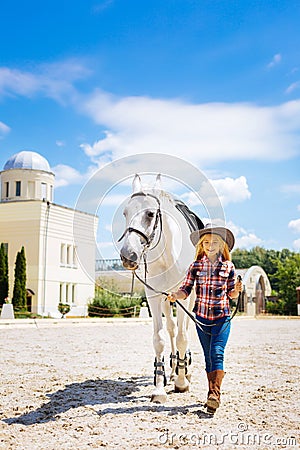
(172, 297)
(238, 286)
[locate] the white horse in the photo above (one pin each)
(157, 234)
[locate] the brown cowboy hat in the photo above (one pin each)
(225, 234)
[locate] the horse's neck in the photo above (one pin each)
(174, 236)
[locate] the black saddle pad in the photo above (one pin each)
(193, 221)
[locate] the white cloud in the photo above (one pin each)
(113, 199)
(232, 190)
(60, 143)
(65, 175)
(227, 190)
(102, 6)
(292, 87)
(4, 129)
(244, 238)
(108, 244)
(291, 188)
(51, 80)
(296, 244)
(203, 133)
(275, 61)
(294, 225)
(248, 241)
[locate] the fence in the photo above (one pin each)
(131, 311)
(108, 264)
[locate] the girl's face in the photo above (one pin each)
(211, 245)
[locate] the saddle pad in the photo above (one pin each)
(193, 221)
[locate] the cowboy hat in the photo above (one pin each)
(225, 234)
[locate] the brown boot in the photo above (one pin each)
(213, 397)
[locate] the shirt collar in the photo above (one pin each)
(218, 260)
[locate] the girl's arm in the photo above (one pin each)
(238, 287)
(178, 295)
(186, 286)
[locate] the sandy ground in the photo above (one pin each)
(69, 385)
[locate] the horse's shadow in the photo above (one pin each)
(95, 392)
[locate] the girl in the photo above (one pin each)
(213, 274)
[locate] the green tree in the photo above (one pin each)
(19, 294)
(243, 259)
(288, 276)
(3, 274)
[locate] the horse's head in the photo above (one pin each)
(143, 217)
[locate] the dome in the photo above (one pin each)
(27, 160)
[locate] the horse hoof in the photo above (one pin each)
(180, 390)
(158, 398)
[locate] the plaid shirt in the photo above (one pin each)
(213, 285)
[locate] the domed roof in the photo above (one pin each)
(27, 160)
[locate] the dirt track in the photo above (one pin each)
(87, 385)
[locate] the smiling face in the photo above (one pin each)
(212, 245)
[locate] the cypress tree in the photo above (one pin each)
(19, 295)
(3, 274)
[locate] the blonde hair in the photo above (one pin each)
(223, 245)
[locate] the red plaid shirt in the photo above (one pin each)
(213, 285)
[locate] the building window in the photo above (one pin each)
(6, 189)
(74, 256)
(18, 188)
(73, 293)
(61, 293)
(67, 293)
(69, 255)
(62, 254)
(44, 191)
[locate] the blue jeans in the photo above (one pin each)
(213, 341)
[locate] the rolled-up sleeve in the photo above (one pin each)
(231, 279)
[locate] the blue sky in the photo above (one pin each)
(215, 83)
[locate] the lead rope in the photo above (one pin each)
(199, 324)
(132, 284)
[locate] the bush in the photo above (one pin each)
(63, 308)
(278, 307)
(109, 304)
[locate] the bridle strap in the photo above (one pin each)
(158, 220)
(139, 232)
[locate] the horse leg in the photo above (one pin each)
(171, 328)
(182, 382)
(159, 393)
(191, 301)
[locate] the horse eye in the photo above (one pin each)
(150, 214)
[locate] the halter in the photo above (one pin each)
(158, 220)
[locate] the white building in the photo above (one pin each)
(29, 218)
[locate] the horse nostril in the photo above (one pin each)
(133, 257)
(129, 258)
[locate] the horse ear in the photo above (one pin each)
(136, 184)
(158, 182)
